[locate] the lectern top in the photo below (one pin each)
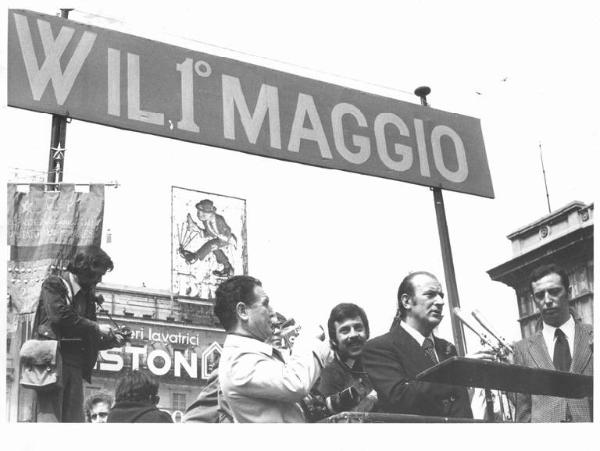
(513, 378)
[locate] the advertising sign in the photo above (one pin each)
(208, 241)
(181, 353)
(93, 74)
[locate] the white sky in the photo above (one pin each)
(318, 237)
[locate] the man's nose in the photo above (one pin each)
(439, 301)
(353, 333)
(548, 300)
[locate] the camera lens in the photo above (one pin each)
(344, 400)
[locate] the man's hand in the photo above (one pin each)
(105, 330)
(119, 339)
(483, 354)
(508, 357)
(319, 333)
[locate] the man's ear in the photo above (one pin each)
(405, 301)
(241, 310)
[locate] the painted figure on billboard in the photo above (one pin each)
(208, 241)
(215, 227)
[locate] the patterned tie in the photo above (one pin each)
(429, 350)
(562, 353)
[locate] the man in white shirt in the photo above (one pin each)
(563, 344)
(257, 383)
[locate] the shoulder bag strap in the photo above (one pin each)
(69, 291)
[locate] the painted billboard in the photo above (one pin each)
(93, 74)
(208, 241)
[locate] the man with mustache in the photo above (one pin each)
(394, 359)
(348, 332)
(563, 344)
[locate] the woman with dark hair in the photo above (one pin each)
(136, 398)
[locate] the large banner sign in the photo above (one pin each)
(208, 241)
(63, 67)
(46, 229)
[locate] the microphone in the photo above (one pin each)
(486, 325)
(485, 338)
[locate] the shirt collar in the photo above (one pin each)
(349, 362)
(248, 343)
(74, 284)
(415, 333)
(568, 329)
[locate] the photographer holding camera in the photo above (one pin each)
(67, 313)
(344, 385)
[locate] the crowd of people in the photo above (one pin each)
(265, 376)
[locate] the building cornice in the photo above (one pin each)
(549, 218)
(507, 271)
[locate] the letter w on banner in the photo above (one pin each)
(45, 230)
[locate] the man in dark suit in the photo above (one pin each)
(393, 360)
(563, 343)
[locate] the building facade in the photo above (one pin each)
(178, 339)
(564, 237)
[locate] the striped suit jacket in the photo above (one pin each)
(532, 352)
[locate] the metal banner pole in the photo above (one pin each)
(440, 212)
(56, 160)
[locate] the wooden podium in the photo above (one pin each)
(376, 417)
(483, 374)
(506, 377)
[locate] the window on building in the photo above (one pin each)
(579, 281)
(526, 304)
(179, 402)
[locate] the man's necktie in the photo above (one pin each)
(429, 350)
(562, 354)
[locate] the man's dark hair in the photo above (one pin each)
(91, 260)
(232, 291)
(544, 270)
(94, 399)
(343, 311)
(138, 386)
(407, 287)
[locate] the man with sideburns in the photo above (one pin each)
(348, 329)
(394, 359)
(563, 343)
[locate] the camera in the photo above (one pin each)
(343, 401)
(124, 332)
(317, 407)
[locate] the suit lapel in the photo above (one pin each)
(583, 349)
(444, 349)
(539, 352)
(409, 346)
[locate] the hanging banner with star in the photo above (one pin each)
(45, 230)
